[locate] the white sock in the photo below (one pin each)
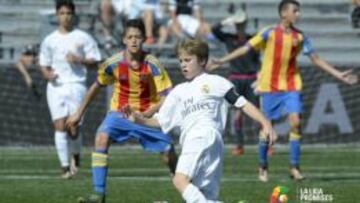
(75, 145)
(192, 194)
(61, 144)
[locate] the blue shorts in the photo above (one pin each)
(121, 130)
(274, 105)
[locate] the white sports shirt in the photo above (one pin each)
(56, 46)
(197, 103)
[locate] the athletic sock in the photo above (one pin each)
(61, 144)
(100, 170)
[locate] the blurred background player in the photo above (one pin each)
(149, 11)
(64, 57)
(200, 114)
(140, 81)
(29, 60)
(187, 20)
(355, 14)
(243, 70)
(279, 81)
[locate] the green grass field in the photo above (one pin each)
(31, 175)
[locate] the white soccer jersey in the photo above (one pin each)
(56, 46)
(194, 104)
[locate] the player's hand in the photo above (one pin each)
(50, 75)
(349, 77)
(73, 121)
(72, 58)
(268, 132)
(213, 64)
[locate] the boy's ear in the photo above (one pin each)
(203, 62)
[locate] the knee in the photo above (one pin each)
(101, 141)
(295, 124)
(169, 155)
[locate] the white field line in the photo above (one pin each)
(343, 169)
(167, 178)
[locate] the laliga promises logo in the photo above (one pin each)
(279, 195)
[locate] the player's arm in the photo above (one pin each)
(88, 62)
(151, 111)
(139, 118)
(216, 63)
(75, 118)
(48, 73)
(22, 69)
(248, 108)
(346, 76)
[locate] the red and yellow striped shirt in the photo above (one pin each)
(141, 88)
(279, 70)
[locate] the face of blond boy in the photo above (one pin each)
(190, 65)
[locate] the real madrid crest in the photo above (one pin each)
(205, 89)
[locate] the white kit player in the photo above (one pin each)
(199, 107)
(64, 56)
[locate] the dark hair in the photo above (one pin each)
(135, 23)
(284, 3)
(30, 49)
(68, 3)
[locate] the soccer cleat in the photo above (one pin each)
(238, 151)
(296, 174)
(263, 175)
(74, 165)
(66, 175)
(94, 198)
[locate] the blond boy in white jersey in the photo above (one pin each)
(197, 108)
(64, 57)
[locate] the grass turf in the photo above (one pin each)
(33, 175)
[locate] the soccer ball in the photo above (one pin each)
(283, 198)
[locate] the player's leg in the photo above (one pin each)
(293, 106)
(199, 168)
(61, 145)
(75, 145)
(170, 159)
(237, 121)
(76, 94)
(59, 112)
(271, 104)
(238, 133)
(294, 142)
(99, 165)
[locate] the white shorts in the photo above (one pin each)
(201, 159)
(64, 99)
(189, 24)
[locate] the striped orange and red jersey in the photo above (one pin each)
(279, 70)
(140, 88)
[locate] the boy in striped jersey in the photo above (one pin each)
(279, 81)
(140, 81)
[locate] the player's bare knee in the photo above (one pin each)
(59, 125)
(102, 141)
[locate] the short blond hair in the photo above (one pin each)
(196, 47)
